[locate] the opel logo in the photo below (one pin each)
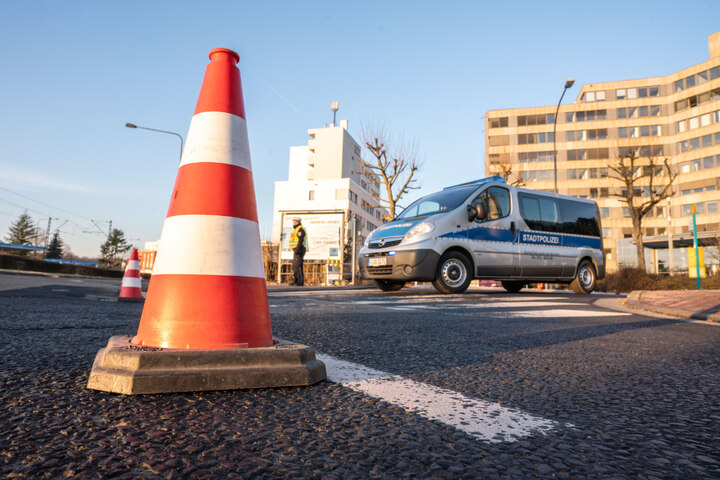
(381, 243)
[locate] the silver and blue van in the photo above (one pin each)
(487, 229)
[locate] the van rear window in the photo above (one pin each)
(562, 215)
(579, 218)
(540, 213)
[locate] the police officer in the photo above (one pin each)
(298, 244)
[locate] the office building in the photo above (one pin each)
(328, 184)
(674, 117)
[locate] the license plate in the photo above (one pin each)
(377, 261)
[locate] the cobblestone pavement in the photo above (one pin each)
(631, 396)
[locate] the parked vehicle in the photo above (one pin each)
(487, 229)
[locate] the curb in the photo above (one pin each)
(634, 300)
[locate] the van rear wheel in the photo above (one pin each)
(454, 273)
(512, 287)
(585, 279)
(388, 285)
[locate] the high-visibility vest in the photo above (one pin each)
(294, 238)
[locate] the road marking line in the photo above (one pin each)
(484, 420)
(484, 306)
(559, 312)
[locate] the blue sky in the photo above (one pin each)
(74, 72)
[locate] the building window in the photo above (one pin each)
(353, 197)
(531, 157)
(311, 195)
(604, 212)
(532, 138)
(637, 112)
(696, 100)
(712, 207)
(698, 142)
(586, 116)
(588, 154)
(498, 122)
(594, 96)
(626, 212)
(542, 119)
(580, 135)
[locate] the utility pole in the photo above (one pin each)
(354, 241)
(47, 235)
(670, 238)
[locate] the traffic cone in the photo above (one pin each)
(208, 287)
(206, 304)
(131, 286)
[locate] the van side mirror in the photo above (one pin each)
(482, 213)
(471, 213)
(477, 212)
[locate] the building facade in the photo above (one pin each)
(326, 176)
(675, 117)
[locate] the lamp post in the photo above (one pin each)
(132, 125)
(568, 83)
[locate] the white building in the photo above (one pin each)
(325, 177)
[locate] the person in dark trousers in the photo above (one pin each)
(298, 244)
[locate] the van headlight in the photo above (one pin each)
(418, 231)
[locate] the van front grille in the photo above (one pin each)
(381, 270)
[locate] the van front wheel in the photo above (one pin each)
(584, 282)
(454, 273)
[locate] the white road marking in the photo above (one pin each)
(484, 420)
(559, 312)
(481, 306)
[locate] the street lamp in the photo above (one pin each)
(568, 83)
(132, 125)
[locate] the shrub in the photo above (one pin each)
(628, 279)
(625, 280)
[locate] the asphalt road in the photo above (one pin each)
(480, 385)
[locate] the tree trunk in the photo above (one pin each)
(638, 237)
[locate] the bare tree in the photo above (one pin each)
(647, 182)
(392, 169)
(505, 170)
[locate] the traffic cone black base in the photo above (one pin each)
(127, 369)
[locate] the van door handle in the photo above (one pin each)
(512, 228)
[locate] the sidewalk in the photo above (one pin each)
(696, 304)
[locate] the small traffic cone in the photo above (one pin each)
(207, 304)
(131, 286)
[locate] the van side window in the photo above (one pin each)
(539, 212)
(497, 202)
(579, 218)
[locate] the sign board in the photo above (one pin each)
(692, 270)
(323, 235)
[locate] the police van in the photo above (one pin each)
(487, 229)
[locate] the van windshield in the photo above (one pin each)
(439, 202)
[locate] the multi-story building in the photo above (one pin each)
(675, 117)
(326, 177)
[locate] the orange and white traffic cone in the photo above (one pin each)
(208, 287)
(131, 286)
(207, 298)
